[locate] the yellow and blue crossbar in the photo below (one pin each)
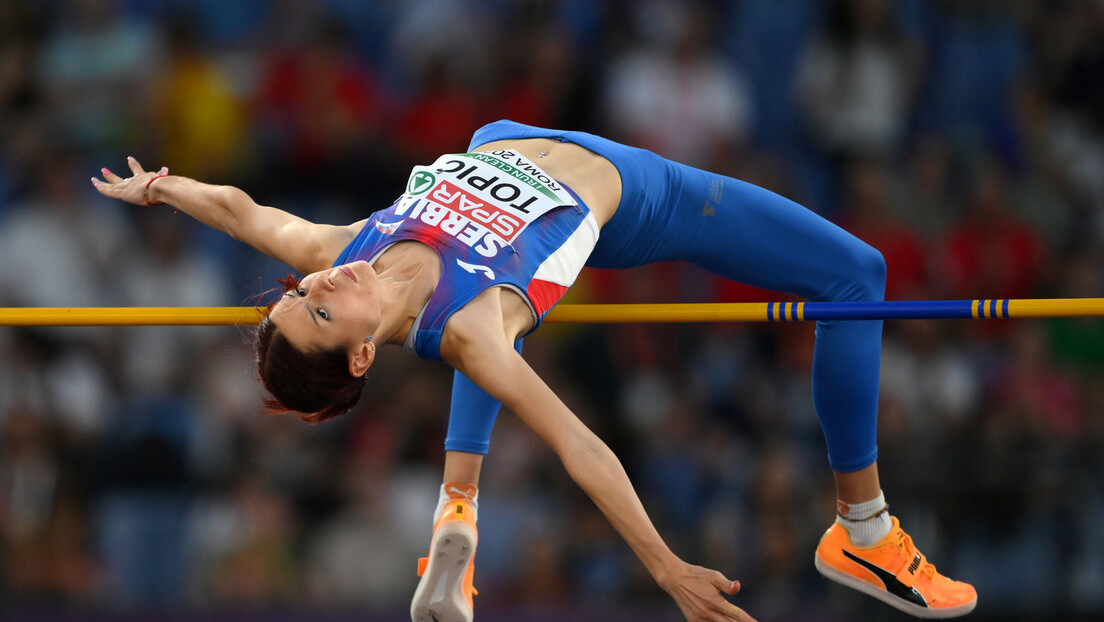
(606, 313)
(811, 311)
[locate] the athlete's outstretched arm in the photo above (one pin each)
(480, 352)
(303, 245)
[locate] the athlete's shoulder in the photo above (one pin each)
(484, 329)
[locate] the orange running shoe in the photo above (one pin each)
(895, 572)
(445, 592)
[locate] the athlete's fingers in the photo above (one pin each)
(735, 613)
(107, 189)
(721, 583)
(109, 176)
(134, 166)
(730, 587)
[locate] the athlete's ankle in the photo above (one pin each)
(867, 522)
(454, 491)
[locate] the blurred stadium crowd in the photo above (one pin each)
(964, 139)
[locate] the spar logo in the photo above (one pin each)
(420, 183)
(501, 221)
(468, 232)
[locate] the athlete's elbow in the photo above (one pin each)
(234, 206)
(586, 454)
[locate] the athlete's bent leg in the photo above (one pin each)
(748, 234)
(754, 236)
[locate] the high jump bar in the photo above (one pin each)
(606, 313)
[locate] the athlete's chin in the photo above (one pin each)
(362, 269)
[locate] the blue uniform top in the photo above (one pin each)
(495, 220)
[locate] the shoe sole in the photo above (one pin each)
(440, 593)
(850, 581)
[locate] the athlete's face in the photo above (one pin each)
(336, 307)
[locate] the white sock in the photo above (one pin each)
(468, 493)
(866, 522)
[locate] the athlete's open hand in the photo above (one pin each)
(698, 591)
(134, 189)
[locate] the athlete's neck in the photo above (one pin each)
(408, 273)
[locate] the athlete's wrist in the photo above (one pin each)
(148, 192)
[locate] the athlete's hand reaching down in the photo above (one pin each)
(697, 591)
(134, 189)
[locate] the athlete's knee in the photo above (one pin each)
(861, 276)
(871, 273)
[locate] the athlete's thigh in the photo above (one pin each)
(749, 234)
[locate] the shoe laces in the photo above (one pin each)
(908, 548)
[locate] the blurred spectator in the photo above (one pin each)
(441, 116)
(28, 476)
(923, 195)
(1066, 126)
(96, 65)
(20, 91)
(256, 567)
(671, 476)
(545, 87)
(977, 55)
(452, 35)
(20, 33)
(44, 554)
(356, 557)
(200, 117)
(989, 252)
(931, 379)
(321, 115)
(674, 93)
(443, 50)
(58, 244)
(1034, 395)
(779, 493)
(141, 510)
(858, 80)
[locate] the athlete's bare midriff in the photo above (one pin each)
(594, 178)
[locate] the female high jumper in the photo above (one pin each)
(468, 261)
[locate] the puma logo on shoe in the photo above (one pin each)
(915, 564)
(889, 580)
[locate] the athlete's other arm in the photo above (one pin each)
(301, 244)
(472, 414)
(475, 345)
(471, 419)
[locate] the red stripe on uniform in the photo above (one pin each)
(545, 294)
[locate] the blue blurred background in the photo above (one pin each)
(964, 139)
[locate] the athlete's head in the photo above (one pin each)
(315, 346)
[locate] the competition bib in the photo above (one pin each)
(485, 200)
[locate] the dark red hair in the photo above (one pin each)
(317, 385)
